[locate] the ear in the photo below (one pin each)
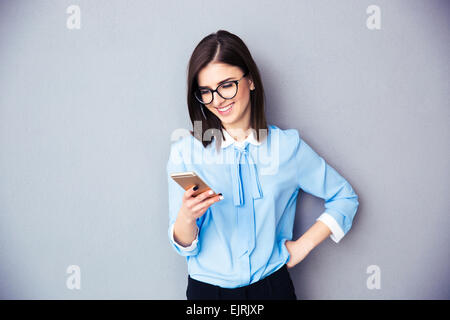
(251, 84)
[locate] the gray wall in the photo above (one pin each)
(86, 117)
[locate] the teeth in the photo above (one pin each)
(226, 108)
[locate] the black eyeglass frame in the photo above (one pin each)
(212, 91)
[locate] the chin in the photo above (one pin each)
(227, 120)
(230, 118)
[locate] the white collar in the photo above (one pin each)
(227, 139)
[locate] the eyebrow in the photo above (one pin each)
(203, 87)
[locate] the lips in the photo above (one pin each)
(226, 110)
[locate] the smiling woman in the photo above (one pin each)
(225, 90)
(239, 245)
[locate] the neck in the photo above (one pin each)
(238, 133)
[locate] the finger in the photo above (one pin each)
(198, 214)
(207, 203)
(189, 192)
(201, 197)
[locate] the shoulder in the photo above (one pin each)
(184, 144)
(182, 140)
(287, 136)
(178, 143)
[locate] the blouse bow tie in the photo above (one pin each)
(245, 168)
(243, 157)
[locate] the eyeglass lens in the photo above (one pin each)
(226, 90)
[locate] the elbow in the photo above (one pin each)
(188, 251)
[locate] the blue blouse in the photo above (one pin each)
(241, 239)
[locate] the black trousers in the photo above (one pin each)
(277, 286)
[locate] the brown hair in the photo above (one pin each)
(225, 47)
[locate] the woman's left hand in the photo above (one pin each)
(298, 250)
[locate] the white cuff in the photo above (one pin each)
(188, 248)
(336, 231)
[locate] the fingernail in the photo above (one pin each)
(210, 192)
(195, 188)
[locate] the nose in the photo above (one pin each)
(217, 100)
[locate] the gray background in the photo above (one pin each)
(86, 117)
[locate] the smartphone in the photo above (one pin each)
(189, 179)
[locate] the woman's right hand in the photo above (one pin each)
(194, 207)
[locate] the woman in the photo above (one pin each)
(238, 242)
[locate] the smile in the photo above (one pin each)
(225, 110)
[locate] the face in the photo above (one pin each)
(238, 116)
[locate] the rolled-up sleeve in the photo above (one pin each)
(175, 195)
(318, 178)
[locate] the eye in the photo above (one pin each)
(227, 85)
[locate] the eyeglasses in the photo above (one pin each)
(226, 90)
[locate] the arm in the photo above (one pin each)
(185, 230)
(300, 248)
(319, 179)
(179, 230)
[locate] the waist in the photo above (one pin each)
(275, 276)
